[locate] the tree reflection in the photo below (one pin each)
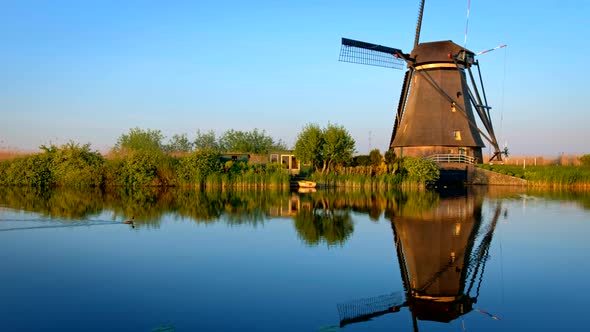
(204, 207)
(322, 224)
(146, 206)
(324, 216)
(64, 204)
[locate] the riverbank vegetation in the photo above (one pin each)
(329, 151)
(548, 176)
(142, 158)
(382, 174)
(74, 165)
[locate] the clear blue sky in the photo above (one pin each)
(89, 70)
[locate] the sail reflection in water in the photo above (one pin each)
(442, 251)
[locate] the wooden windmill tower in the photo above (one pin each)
(435, 114)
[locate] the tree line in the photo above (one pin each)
(255, 141)
(143, 158)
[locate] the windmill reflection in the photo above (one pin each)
(442, 252)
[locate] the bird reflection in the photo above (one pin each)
(441, 252)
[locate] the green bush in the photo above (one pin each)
(141, 168)
(361, 160)
(33, 171)
(75, 165)
(421, 170)
(194, 168)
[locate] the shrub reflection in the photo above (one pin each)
(325, 216)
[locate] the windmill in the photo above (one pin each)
(442, 253)
(435, 113)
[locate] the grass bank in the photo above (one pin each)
(547, 176)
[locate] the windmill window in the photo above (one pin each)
(457, 135)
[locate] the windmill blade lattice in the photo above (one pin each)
(354, 51)
(367, 308)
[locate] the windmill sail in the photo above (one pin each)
(355, 51)
(364, 309)
(419, 23)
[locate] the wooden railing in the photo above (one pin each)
(451, 158)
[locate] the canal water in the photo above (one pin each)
(483, 259)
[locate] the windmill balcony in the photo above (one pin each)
(452, 158)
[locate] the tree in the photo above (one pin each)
(324, 148)
(206, 141)
(390, 157)
(375, 158)
(179, 143)
(392, 162)
(253, 141)
(140, 140)
(309, 145)
(585, 160)
(361, 160)
(338, 147)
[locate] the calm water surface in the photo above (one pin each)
(472, 260)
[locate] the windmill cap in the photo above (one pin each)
(438, 52)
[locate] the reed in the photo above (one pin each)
(383, 182)
(408, 172)
(547, 176)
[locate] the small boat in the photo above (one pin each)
(306, 184)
